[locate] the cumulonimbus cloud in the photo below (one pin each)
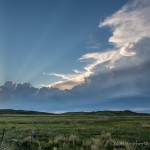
(129, 25)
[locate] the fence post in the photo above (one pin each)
(3, 133)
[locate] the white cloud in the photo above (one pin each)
(68, 84)
(63, 76)
(129, 25)
(72, 80)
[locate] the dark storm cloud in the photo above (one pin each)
(129, 77)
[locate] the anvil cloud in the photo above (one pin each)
(129, 25)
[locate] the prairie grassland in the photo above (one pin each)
(74, 132)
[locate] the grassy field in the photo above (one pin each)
(74, 132)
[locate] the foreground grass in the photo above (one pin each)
(77, 132)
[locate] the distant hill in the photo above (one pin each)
(21, 112)
(125, 112)
(107, 113)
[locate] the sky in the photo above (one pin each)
(73, 55)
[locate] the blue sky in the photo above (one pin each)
(75, 55)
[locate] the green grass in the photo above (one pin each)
(74, 131)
